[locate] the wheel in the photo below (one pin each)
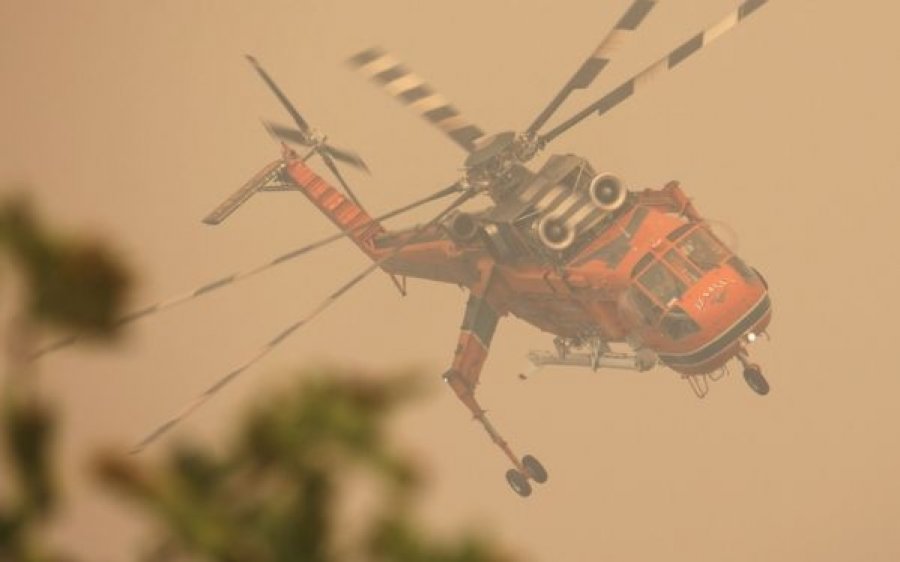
(518, 482)
(755, 380)
(535, 469)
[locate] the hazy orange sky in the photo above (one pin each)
(132, 120)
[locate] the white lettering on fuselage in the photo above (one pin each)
(712, 289)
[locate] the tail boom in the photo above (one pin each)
(343, 212)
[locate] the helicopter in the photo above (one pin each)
(622, 278)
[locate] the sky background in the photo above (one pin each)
(132, 120)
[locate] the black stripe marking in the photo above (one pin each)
(223, 381)
(686, 49)
(635, 15)
(137, 314)
(280, 337)
(214, 285)
(391, 74)
(152, 437)
(615, 97)
(588, 71)
(415, 94)
(749, 7)
(440, 113)
(466, 136)
(365, 57)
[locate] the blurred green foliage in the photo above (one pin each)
(72, 284)
(272, 493)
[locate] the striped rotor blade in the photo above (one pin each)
(590, 68)
(241, 196)
(285, 133)
(334, 170)
(194, 405)
(228, 280)
(660, 67)
(345, 156)
(301, 123)
(397, 80)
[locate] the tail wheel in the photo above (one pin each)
(535, 469)
(518, 482)
(755, 380)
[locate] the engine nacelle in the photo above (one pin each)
(463, 227)
(607, 192)
(554, 233)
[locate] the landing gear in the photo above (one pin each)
(531, 469)
(755, 380)
(535, 469)
(518, 482)
(753, 375)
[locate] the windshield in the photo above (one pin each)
(681, 266)
(703, 250)
(678, 324)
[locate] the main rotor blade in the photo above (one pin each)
(400, 82)
(245, 274)
(670, 61)
(301, 123)
(590, 68)
(334, 170)
(284, 334)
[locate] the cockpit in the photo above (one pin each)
(665, 273)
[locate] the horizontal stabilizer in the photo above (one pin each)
(266, 177)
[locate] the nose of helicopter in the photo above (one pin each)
(730, 306)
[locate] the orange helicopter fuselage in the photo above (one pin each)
(610, 288)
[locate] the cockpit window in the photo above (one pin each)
(702, 250)
(681, 266)
(678, 324)
(662, 284)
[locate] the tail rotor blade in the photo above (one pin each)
(284, 334)
(346, 156)
(228, 280)
(289, 134)
(591, 68)
(301, 123)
